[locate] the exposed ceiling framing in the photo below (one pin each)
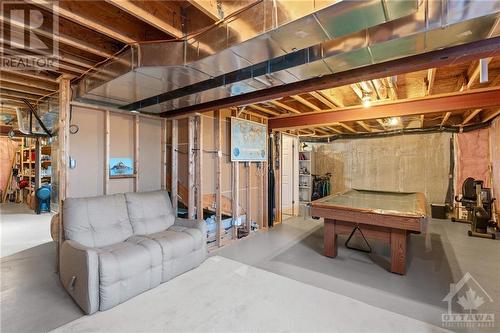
(92, 32)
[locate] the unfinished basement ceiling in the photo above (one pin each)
(159, 69)
(265, 45)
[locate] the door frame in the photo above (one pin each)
(295, 173)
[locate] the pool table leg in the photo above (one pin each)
(330, 239)
(398, 251)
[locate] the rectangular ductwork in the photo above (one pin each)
(269, 44)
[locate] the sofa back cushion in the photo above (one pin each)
(97, 221)
(150, 212)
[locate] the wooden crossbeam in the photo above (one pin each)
(284, 106)
(305, 102)
(470, 116)
(478, 98)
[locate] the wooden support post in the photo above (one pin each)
(236, 195)
(38, 168)
(106, 151)
(199, 165)
(173, 192)
(163, 182)
(277, 175)
(218, 216)
(191, 175)
(249, 195)
(265, 189)
(136, 153)
(63, 156)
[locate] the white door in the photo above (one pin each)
(289, 174)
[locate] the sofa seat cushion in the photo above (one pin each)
(127, 269)
(177, 241)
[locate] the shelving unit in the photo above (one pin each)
(34, 164)
(26, 165)
(305, 180)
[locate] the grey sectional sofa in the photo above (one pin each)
(118, 246)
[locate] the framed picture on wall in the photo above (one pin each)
(121, 167)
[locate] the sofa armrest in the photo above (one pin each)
(79, 274)
(191, 223)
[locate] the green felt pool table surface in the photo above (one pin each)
(382, 202)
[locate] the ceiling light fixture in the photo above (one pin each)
(366, 99)
(393, 121)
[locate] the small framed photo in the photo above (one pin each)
(121, 167)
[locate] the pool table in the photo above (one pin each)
(387, 216)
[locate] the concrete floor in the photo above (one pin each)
(32, 299)
(21, 228)
(294, 249)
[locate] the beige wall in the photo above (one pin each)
(400, 163)
(87, 148)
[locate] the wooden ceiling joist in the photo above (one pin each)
(207, 7)
(323, 99)
(285, 106)
(31, 74)
(347, 127)
(95, 47)
(84, 20)
(445, 118)
(305, 102)
(364, 125)
(24, 89)
(381, 123)
(336, 130)
(470, 116)
(29, 82)
(61, 56)
(17, 95)
(145, 13)
(431, 77)
(489, 115)
(265, 110)
(480, 98)
(328, 94)
(61, 65)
